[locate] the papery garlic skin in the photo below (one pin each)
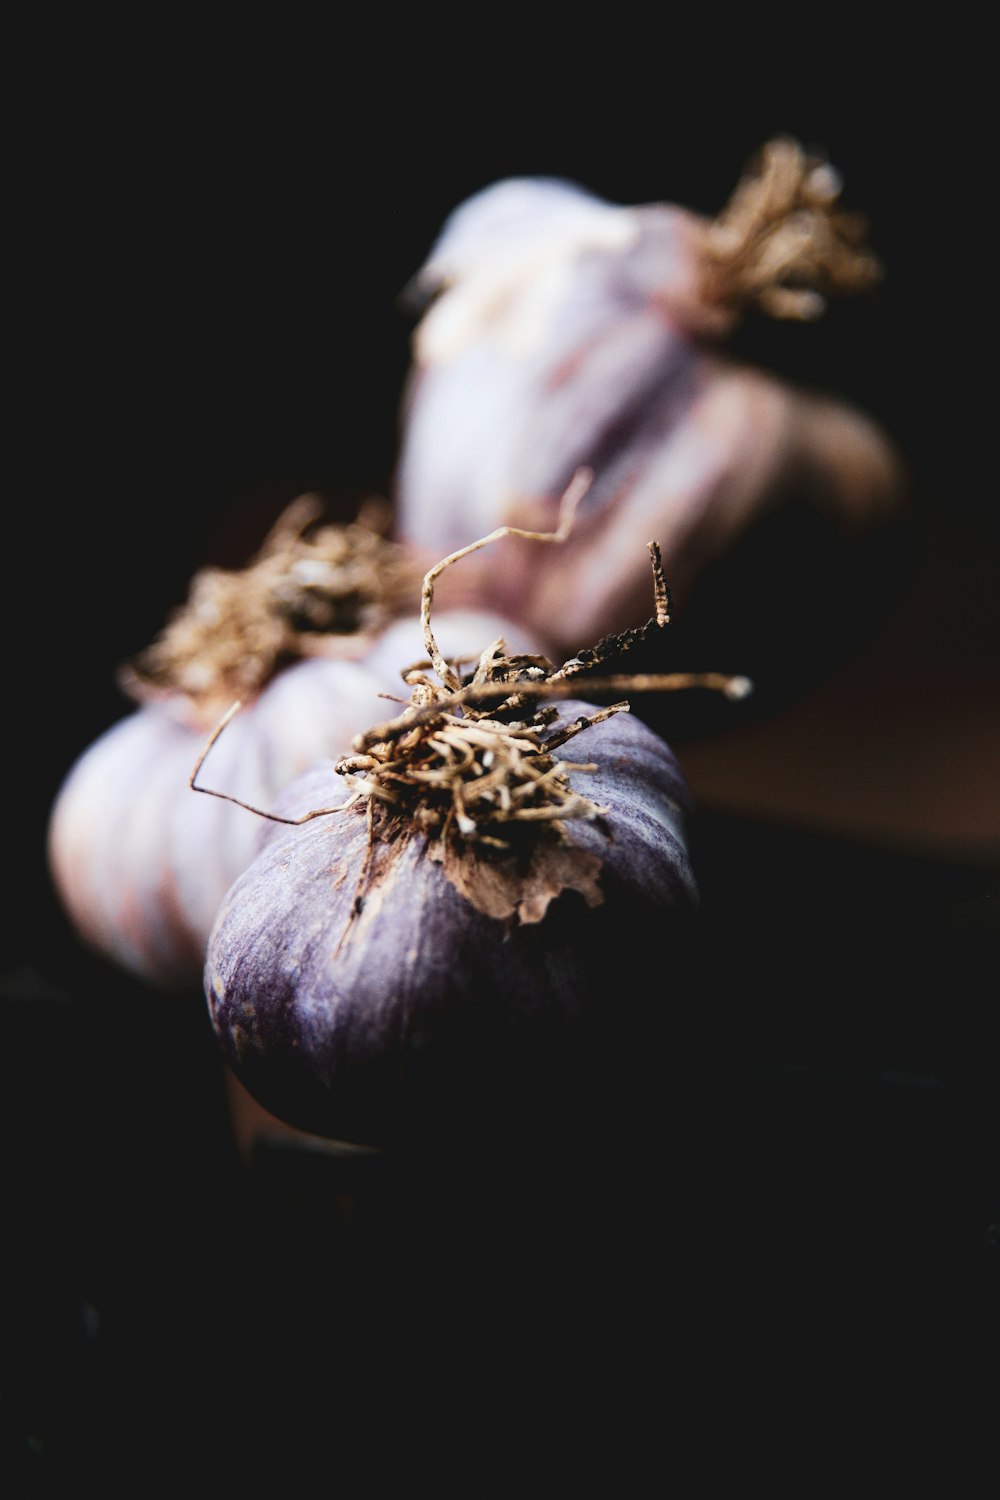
(550, 329)
(141, 861)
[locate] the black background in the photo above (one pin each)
(210, 234)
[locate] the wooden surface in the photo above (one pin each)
(899, 746)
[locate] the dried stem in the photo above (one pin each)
(307, 592)
(782, 244)
(319, 812)
(574, 493)
(733, 687)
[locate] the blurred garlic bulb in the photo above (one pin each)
(560, 331)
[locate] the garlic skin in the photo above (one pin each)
(140, 861)
(548, 324)
(566, 332)
(424, 1018)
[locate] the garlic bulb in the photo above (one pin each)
(562, 331)
(426, 1014)
(451, 945)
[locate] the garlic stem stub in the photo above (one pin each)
(311, 590)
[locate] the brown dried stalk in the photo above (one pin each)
(308, 591)
(781, 243)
